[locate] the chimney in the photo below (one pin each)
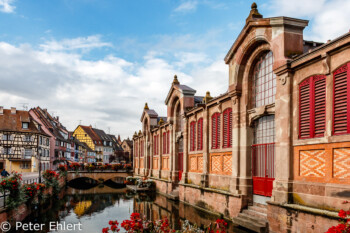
(1, 110)
(13, 110)
(57, 118)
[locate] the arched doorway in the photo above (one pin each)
(178, 140)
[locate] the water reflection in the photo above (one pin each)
(93, 208)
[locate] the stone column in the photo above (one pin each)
(185, 151)
(235, 99)
(151, 151)
(283, 147)
(174, 150)
(206, 160)
(171, 152)
(147, 155)
(160, 153)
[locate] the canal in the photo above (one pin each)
(94, 206)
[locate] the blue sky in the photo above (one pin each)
(99, 61)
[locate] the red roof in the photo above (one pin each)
(88, 130)
(13, 122)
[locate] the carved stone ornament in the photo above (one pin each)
(178, 136)
(326, 64)
(283, 79)
(260, 112)
(219, 107)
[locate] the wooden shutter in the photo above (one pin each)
(213, 132)
(192, 136)
(200, 134)
(164, 143)
(154, 144)
(168, 142)
(216, 130)
(319, 91)
(304, 109)
(227, 128)
(229, 131)
(341, 101)
(312, 107)
(218, 127)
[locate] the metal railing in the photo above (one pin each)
(31, 181)
(4, 195)
(263, 156)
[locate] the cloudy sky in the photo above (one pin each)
(98, 61)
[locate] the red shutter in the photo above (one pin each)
(304, 109)
(216, 131)
(200, 134)
(213, 132)
(192, 136)
(227, 128)
(168, 142)
(224, 132)
(230, 128)
(218, 127)
(141, 148)
(164, 143)
(341, 101)
(319, 83)
(154, 144)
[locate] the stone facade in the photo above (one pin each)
(249, 145)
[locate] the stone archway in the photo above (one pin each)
(178, 142)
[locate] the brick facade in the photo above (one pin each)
(311, 171)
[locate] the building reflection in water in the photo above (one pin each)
(95, 207)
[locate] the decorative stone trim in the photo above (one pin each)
(310, 210)
(212, 190)
(256, 113)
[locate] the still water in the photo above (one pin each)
(93, 208)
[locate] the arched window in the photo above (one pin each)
(200, 134)
(192, 136)
(312, 107)
(264, 81)
(215, 132)
(227, 128)
(341, 100)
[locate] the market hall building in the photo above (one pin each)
(275, 148)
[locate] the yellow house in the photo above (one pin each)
(87, 135)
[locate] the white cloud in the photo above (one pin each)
(328, 18)
(109, 92)
(84, 43)
(187, 6)
(6, 6)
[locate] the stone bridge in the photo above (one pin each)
(98, 175)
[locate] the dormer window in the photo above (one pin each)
(25, 125)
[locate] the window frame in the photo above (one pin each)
(312, 105)
(200, 134)
(193, 136)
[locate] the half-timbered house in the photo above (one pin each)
(24, 146)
